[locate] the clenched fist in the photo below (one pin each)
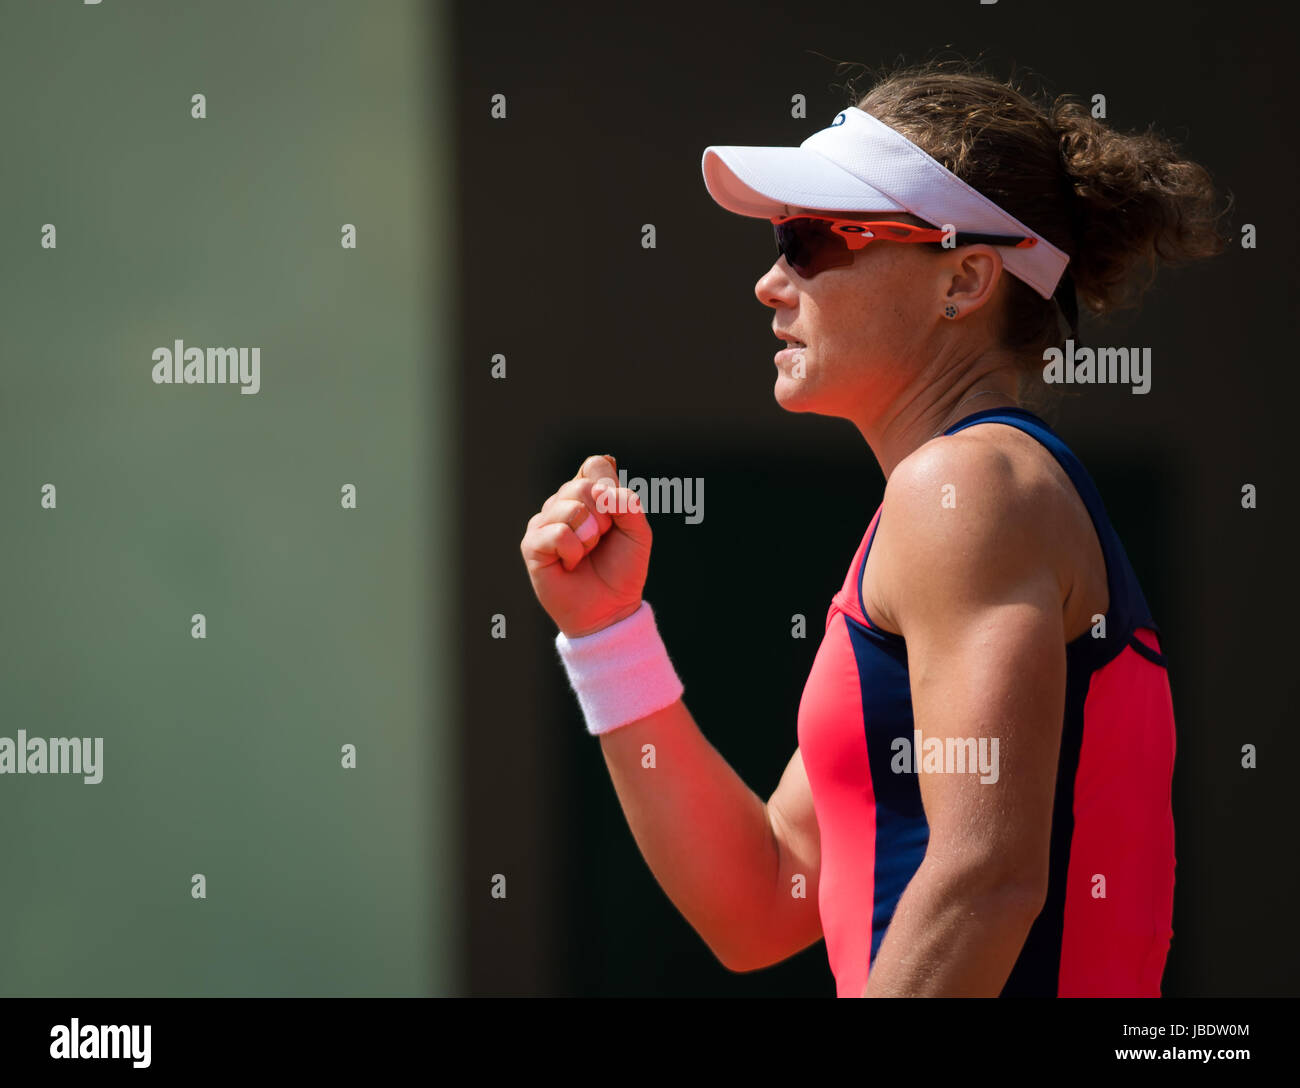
(588, 550)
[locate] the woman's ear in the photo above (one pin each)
(975, 274)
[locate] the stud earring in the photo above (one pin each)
(950, 310)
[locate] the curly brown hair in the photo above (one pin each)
(1114, 201)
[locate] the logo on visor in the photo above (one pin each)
(839, 119)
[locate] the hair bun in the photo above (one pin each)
(1137, 198)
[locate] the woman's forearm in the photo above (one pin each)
(705, 835)
(954, 934)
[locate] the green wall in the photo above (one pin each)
(222, 755)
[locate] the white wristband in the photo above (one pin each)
(621, 673)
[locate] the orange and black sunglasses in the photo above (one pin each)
(814, 243)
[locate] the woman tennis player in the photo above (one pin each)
(979, 802)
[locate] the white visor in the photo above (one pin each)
(860, 164)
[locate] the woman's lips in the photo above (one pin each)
(788, 354)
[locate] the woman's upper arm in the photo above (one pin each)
(971, 579)
(793, 821)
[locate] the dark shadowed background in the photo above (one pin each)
(663, 357)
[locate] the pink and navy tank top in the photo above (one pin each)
(1106, 925)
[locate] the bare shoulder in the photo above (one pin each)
(968, 517)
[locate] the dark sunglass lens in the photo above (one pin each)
(810, 246)
(789, 241)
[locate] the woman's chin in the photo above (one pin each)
(793, 391)
(792, 395)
